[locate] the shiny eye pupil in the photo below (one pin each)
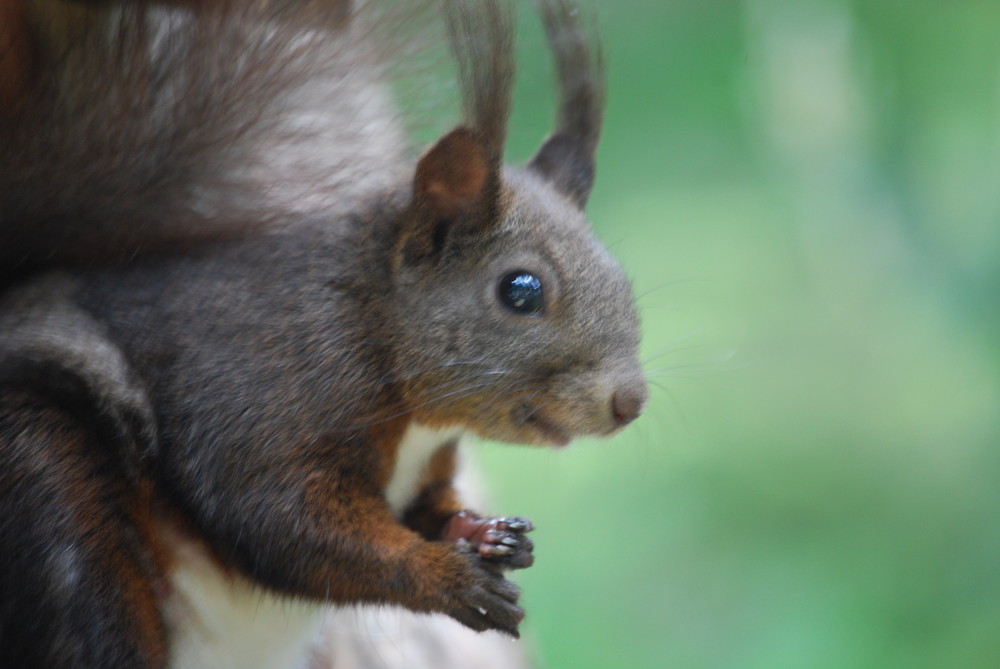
(522, 292)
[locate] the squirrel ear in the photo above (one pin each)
(451, 176)
(563, 162)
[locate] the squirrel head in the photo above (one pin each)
(515, 322)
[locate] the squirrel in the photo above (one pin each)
(243, 330)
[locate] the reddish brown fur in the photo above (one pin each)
(438, 500)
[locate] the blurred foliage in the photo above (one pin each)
(805, 194)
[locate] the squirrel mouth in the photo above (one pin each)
(549, 430)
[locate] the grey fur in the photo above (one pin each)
(52, 347)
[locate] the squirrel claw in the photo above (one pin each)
(489, 601)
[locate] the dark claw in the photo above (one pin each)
(489, 602)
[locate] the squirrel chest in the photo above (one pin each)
(413, 457)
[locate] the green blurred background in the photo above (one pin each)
(806, 196)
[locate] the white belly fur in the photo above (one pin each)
(417, 447)
(220, 620)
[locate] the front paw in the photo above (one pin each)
(487, 600)
(500, 541)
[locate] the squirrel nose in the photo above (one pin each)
(628, 402)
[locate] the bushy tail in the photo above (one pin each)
(130, 126)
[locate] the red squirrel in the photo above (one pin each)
(242, 330)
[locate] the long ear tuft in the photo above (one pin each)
(567, 157)
(482, 40)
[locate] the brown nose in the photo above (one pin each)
(628, 402)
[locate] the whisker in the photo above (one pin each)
(679, 349)
(475, 376)
(453, 396)
(467, 390)
(668, 284)
(672, 346)
(694, 367)
(665, 371)
(431, 368)
(681, 416)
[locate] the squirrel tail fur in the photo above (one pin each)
(132, 127)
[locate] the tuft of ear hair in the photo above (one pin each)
(460, 175)
(566, 158)
(482, 41)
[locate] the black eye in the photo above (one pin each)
(522, 292)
